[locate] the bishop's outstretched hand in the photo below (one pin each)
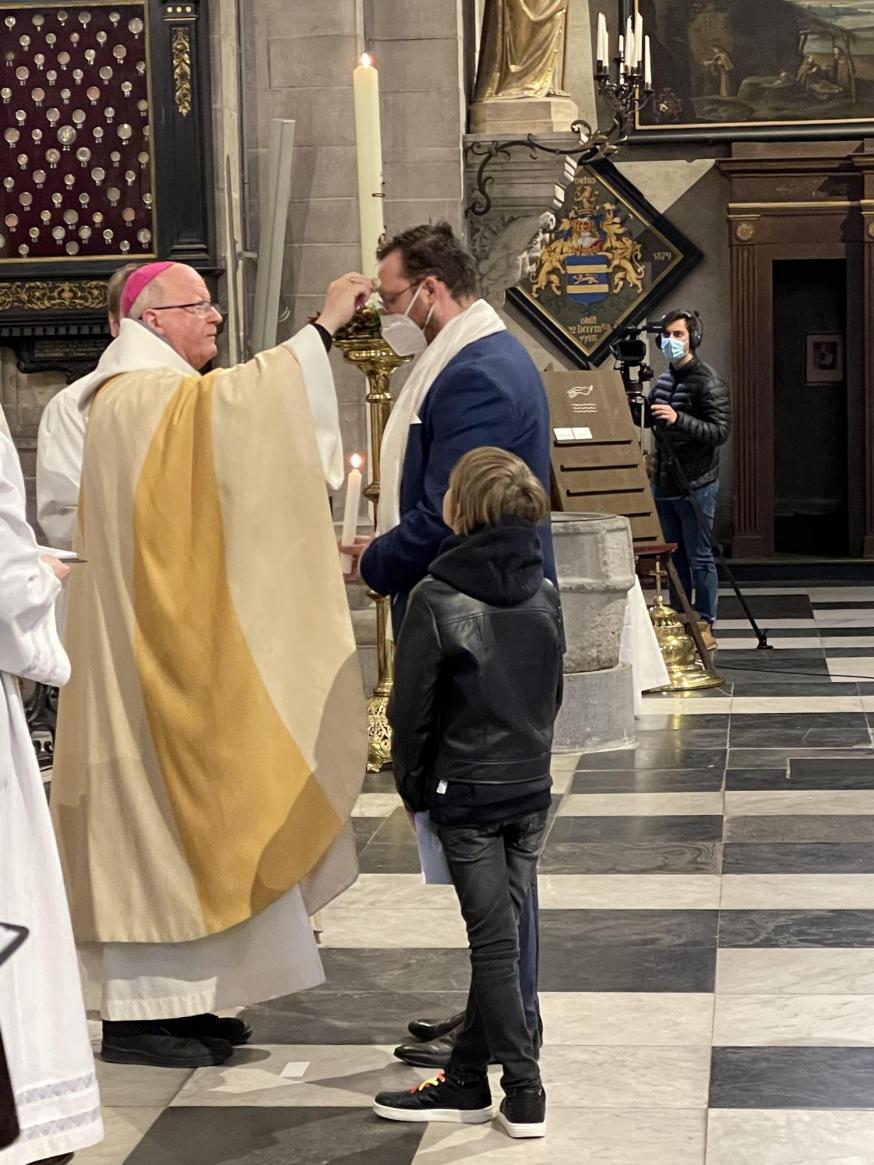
(344, 297)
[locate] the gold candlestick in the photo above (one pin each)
(377, 361)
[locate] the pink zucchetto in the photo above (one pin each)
(138, 280)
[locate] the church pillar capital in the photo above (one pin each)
(511, 192)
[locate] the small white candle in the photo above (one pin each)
(638, 39)
(350, 513)
(629, 44)
(647, 65)
(603, 49)
(368, 146)
(622, 53)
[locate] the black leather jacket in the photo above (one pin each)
(478, 673)
(703, 423)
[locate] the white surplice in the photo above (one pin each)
(61, 438)
(274, 953)
(41, 1012)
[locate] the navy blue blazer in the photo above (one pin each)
(489, 394)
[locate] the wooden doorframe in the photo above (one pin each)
(796, 201)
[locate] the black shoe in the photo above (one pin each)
(431, 1055)
(440, 1099)
(432, 1029)
(210, 1027)
(523, 1112)
(160, 1048)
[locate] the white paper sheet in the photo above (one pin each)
(435, 871)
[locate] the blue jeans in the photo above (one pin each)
(694, 557)
(493, 868)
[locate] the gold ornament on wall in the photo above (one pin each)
(35, 295)
(744, 231)
(181, 49)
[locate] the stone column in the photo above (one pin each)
(523, 187)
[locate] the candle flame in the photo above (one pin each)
(366, 61)
(356, 460)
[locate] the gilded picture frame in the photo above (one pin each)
(607, 257)
(751, 69)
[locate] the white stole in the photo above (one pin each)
(474, 323)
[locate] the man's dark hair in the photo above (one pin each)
(434, 249)
(692, 321)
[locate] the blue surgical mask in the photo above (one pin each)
(673, 348)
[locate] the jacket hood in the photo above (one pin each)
(501, 565)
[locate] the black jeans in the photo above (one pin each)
(493, 868)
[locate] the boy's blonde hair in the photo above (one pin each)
(489, 483)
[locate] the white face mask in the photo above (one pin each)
(402, 334)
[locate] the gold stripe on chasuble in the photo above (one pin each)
(252, 819)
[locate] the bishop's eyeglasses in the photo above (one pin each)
(200, 307)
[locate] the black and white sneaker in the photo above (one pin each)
(523, 1112)
(438, 1099)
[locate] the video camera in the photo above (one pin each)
(630, 353)
(629, 349)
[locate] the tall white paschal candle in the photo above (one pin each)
(368, 145)
(350, 512)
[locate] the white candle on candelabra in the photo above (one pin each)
(603, 42)
(621, 52)
(350, 512)
(638, 40)
(368, 146)
(629, 44)
(647, 65)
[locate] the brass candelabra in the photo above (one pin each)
(372, 355)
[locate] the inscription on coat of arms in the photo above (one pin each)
(599, 262)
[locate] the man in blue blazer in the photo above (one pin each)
(486, 391)
(473, 384)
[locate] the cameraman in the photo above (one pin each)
(691, 413)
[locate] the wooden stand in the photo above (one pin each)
(597, 467)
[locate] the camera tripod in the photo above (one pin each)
(640, 407)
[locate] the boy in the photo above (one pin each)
(477, 687)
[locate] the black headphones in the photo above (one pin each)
(694, 323)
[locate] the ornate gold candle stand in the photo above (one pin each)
(685, 670)
(372, 355)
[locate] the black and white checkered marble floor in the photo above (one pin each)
(708, 947)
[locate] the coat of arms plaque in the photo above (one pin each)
(602, 260)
